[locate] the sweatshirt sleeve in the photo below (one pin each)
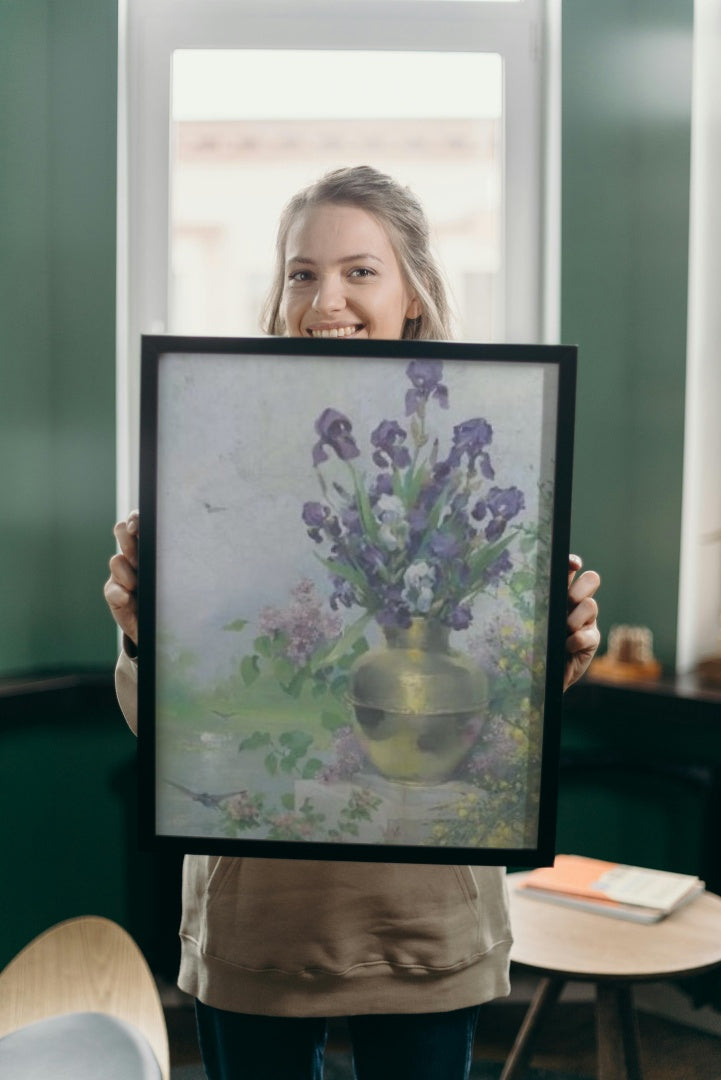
(126, 688)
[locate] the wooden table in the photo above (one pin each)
(563, 944)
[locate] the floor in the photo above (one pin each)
(669, 1050)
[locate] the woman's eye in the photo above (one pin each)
(300, 276)
(362, 272)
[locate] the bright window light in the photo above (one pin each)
(251, 127)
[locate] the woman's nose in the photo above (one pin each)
(329, 296)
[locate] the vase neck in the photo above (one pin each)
(421, 634)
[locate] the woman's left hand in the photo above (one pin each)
(583, 636)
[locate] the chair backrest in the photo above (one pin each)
(87, 964)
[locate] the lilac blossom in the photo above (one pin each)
(496, 756)
(304, 624)
(349, 757)
(242, 808)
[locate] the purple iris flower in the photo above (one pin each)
(351, 520)
(444, 546)
(495, 529)
(441, 471)
(480, 510)
(425, 376)
(314, 514)
(498, 568)
(460, 618)
(318, 519)
(417, 519)
(382, 485)
(471, 437)
(342, 593)
(505, 502)
(387, 438)
(371, 560)
(394, 614)
(334, 430)
(430, 494)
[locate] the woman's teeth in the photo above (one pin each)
(337, 331)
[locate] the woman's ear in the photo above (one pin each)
(415, 309)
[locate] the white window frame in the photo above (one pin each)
(699, 596)
(526, 34)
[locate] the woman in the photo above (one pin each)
(271, 948)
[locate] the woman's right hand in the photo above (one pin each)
(121, 587)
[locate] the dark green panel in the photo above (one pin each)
(67, 789)
(68, 784)
(626, 145)
(26, 398)
(641, 777)
(83, 76)
(625, 816)
(58, 75)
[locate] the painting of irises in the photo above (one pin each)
(352, 597)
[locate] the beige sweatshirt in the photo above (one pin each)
(284, 937)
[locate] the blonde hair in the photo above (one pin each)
(403, 217)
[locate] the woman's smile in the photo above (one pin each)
(335, 331)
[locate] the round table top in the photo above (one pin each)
(559, 940)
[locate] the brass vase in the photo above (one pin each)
(419, 705)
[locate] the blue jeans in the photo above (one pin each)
(414, 1046)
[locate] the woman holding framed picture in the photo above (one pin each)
(272, 948)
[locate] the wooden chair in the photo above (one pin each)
(87, 970)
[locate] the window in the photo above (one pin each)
(235, 161)
(227, 107)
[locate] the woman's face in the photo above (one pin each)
(342, 277)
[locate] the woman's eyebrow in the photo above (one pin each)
(361, 257)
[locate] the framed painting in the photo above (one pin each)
(352, 597)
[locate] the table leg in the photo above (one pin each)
(545, 997)
(617, 1033)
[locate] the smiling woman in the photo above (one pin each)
(329, 293)
(353, 260)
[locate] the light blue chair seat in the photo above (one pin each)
(78, 1046)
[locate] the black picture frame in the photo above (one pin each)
(353, 572)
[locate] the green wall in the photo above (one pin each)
(58, 72)
(626, 145)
